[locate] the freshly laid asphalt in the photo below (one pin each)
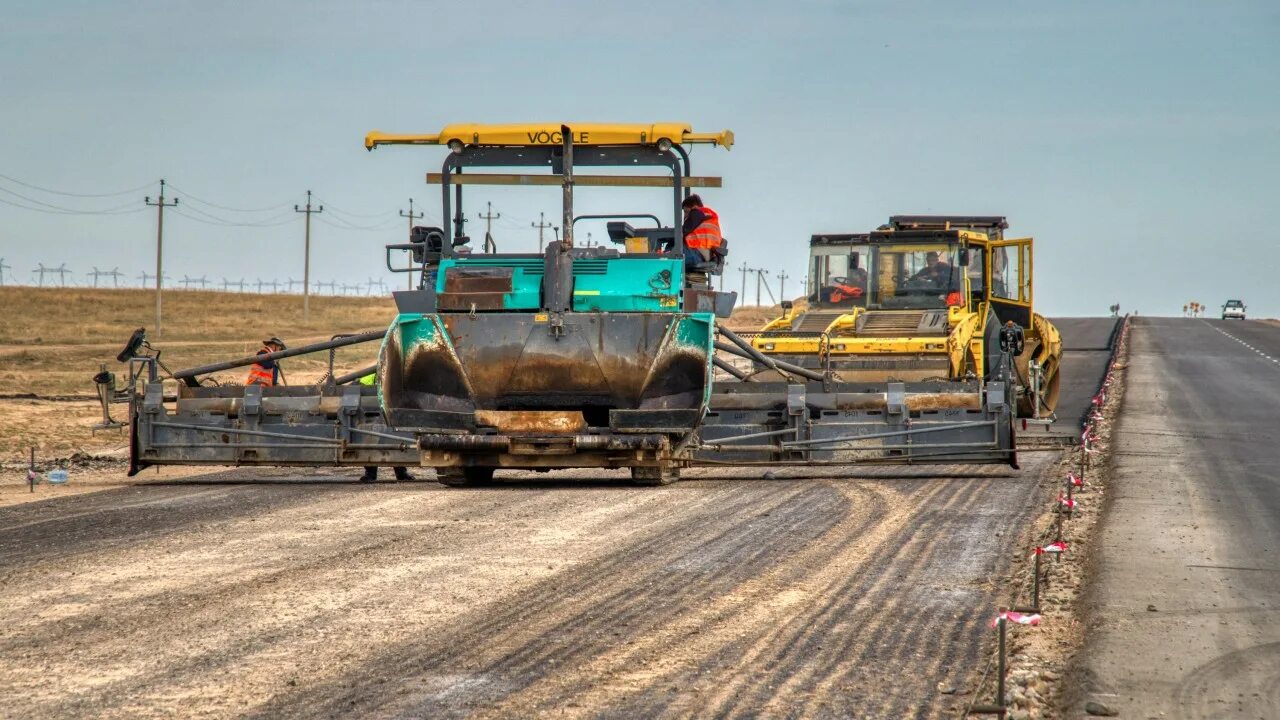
(1186, 606)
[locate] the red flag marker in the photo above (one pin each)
(1055, 547)
(1017, 617)
(1066, 502)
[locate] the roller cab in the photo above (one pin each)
(921, 299)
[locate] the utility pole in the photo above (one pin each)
(159, 205)
(306, 256)
(760, 273)
(3, 267)
(782, 284)
(62, 274)
(115, 276)
(411, 217)
(744, 270)
(759, 280)
(542, 225)
(41, 269)
(488, 216)
(96, 273)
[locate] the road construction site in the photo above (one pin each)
(852, 491)
(822, 592)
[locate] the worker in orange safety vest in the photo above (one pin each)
(701, 230)
(266, 372)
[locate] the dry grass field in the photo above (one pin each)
(53, 340)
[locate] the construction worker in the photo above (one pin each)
(371, 471)
(936, 271)
(701, 231)
(266, 372)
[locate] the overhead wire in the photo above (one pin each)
(260, 222)
(51, 191)
(348, 225)
(228, 208)
(180, 210)
(57, 210)
(333, 208)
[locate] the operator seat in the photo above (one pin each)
(714, 266)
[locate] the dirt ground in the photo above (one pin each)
(809, 595)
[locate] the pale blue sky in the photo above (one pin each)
(1138, 142)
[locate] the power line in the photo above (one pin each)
(342, 224)
(61, 270)
(114, 274)
(145, 277)
(228, 208)
(59, 210)
(273, 221)
(130, 191)
(356, 215)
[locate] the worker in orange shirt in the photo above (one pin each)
(266, 372)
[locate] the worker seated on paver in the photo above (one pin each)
(705, 248)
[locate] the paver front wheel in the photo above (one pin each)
(464, 476)
(649, 475)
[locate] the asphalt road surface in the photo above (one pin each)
(1187, 622)
(1086, 345)
(282, 594)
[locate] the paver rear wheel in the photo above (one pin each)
(649, 475)
(464, 476)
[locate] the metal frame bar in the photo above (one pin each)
(909, 431)
(552, 156)
(527, 179)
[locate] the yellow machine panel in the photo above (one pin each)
(533, 134)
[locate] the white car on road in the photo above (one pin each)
(1233, 310)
